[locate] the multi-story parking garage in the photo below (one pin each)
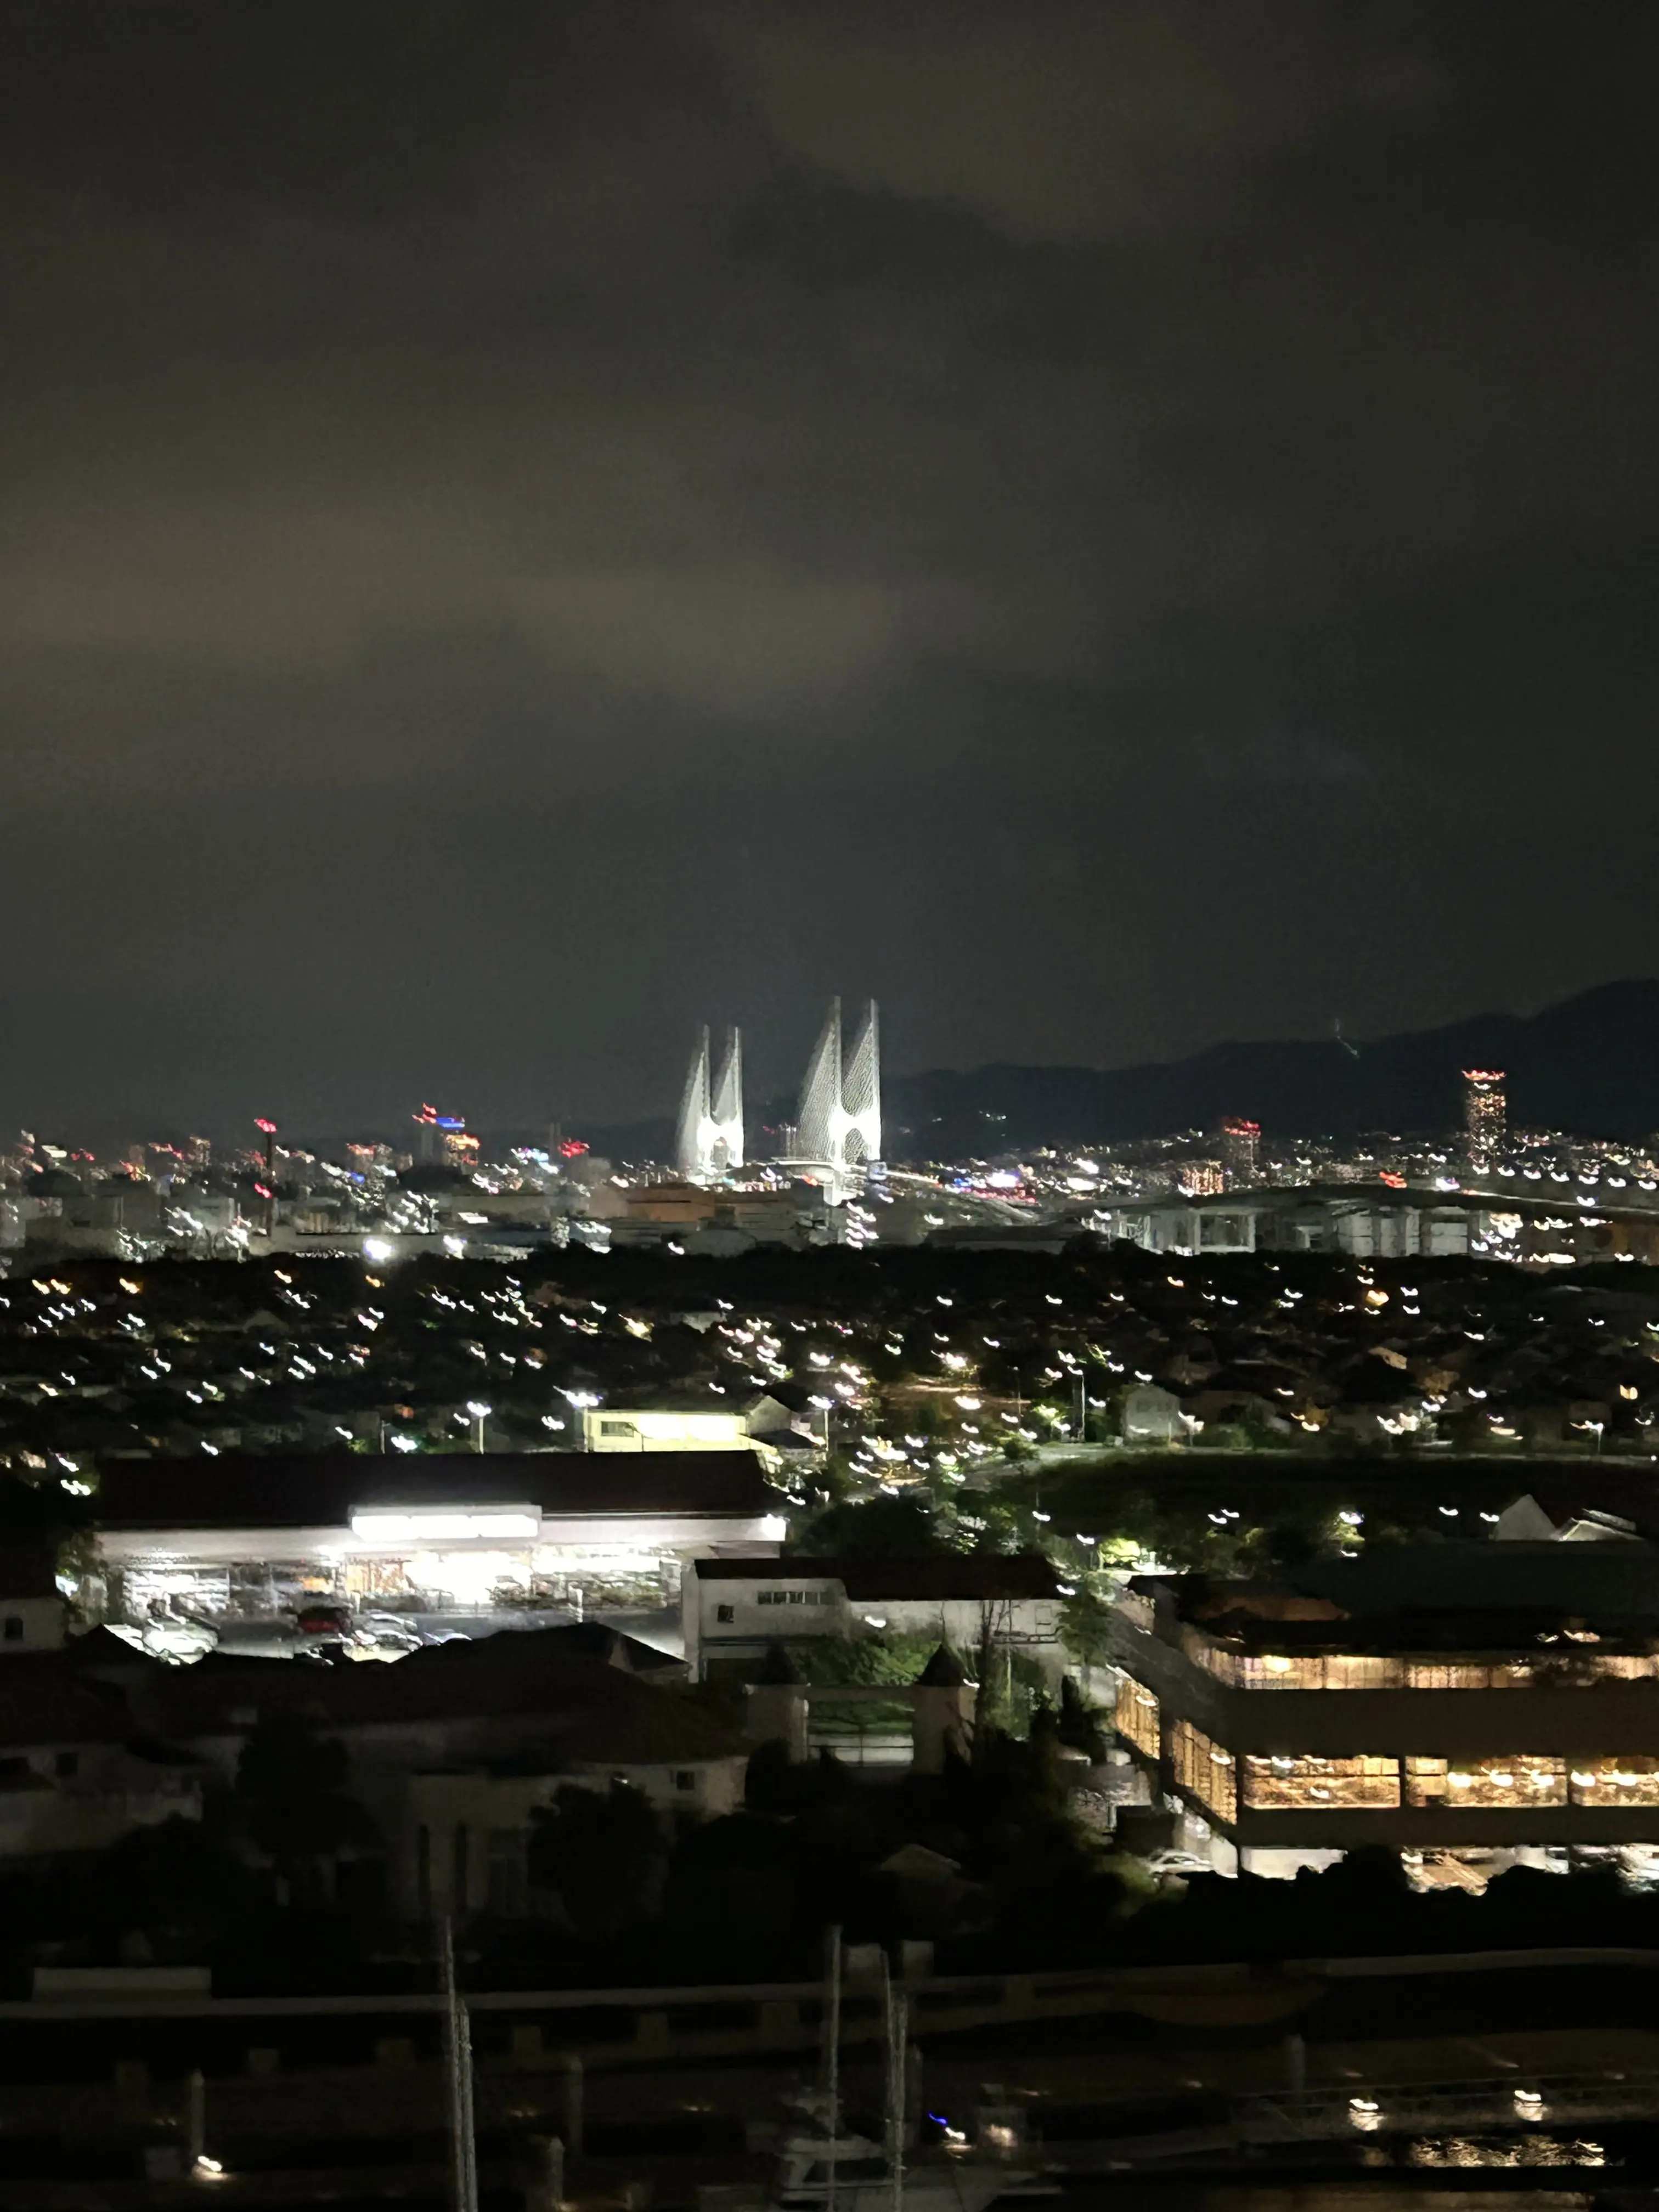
(1462, 1704)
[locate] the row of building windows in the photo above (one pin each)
(1135, 1716)
(1299, 1784)
(1573, 1666)
(1303, 1784)
(1283, 1782)
(794, 1597)
(1202, 1767)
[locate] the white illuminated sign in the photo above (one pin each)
(462, 1527)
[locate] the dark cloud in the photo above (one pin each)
(526, 528)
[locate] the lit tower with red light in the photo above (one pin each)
(1240, 1151)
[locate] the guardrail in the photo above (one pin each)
(1456, 2107)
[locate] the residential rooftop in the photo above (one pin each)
(581, 1705)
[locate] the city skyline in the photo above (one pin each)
(829, 1103)
(1114, 528)
(1588, 1065)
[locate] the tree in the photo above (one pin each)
(603, 1853)
(1078, 1724)
(291, 1784)
(1086, 1628)
(170, 1883)
(889, 1528)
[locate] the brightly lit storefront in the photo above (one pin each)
(463, 1534)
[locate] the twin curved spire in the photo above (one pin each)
(839, 1117)
(709, 1138)
(841, 1103)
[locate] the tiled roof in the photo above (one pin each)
(561, 1693)
(28, 1570)
(573, 1706)
(44, 1699)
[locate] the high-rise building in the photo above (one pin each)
(370, 1164)
(1484, 1115)
(441, 1138)
(1200, 1178)
(1241, 1150)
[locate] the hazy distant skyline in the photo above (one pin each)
(1107, 527)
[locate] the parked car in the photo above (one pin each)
(332, 1622)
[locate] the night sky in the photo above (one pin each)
(526, 526)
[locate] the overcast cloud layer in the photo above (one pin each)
(527, 526)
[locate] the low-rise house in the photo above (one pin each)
(1153, 1415)
(733, 1610)
(33, 1611)
(455, 1744)
(1616, 1510)
(78, 1767)
(662, 1428)
(462, 1843)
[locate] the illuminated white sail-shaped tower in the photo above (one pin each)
(840, 1102)
(728, 1104)
(709, 1138)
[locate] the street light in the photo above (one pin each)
(480, 1414)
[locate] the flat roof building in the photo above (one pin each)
(246, 1534)
(734, 1610)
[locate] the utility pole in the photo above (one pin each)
(194, 2121)
(832, 2063)
(898, 2028)
(458, 2066)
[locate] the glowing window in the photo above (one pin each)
(1136, 1717)
(1210, 1773)
(1302, 1783)
(1516, 1779)
(1453, 1674)
(1337, 1670)
(1616, 1782)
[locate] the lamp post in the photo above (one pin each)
(480, 1414)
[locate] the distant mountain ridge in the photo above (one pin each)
(1590, 1065)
